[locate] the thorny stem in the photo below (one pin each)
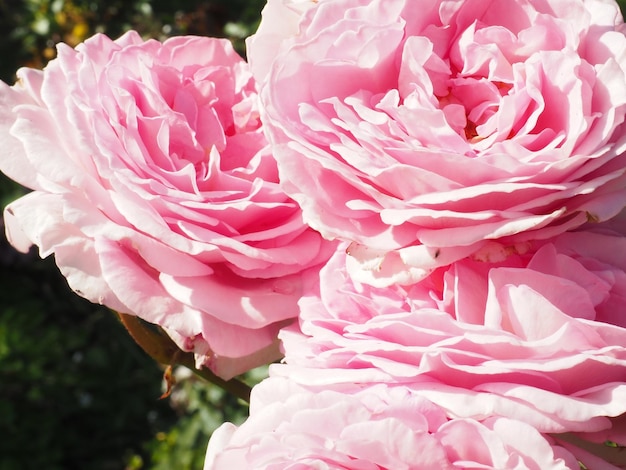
(155, 342)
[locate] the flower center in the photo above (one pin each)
(472, 106)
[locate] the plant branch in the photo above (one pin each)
(158, 345)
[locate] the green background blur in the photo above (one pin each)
(75, 391)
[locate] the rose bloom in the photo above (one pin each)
(157, 193)
(376, 428)
(539, 337)
(439, 124)
(279, 21)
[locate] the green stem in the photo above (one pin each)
(232, 386)
(155, 342)
(615, 455)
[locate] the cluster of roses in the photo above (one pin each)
(415, 202)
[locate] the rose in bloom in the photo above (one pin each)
(157, 193)
(279, 22)
(439, 124)
(539, 337)
(376, 428)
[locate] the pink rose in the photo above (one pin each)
(539, 337)
(419, 129)
(376, 428)
(156, 191)
(279, 22)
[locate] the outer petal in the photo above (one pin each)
(370, 428)
(537, 335)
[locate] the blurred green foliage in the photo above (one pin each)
(202, 409)
(34, 27)
(75, 392)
